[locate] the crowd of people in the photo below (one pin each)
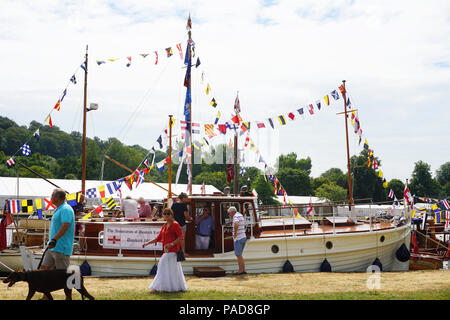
(169, 276)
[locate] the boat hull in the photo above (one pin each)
(350, 252)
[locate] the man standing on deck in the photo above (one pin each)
(129, 207)
(239, 237)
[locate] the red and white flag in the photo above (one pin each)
(237, 105)
(407, 195)
(445, 203)
(391, 194)
(49, 204)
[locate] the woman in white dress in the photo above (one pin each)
(169, 276)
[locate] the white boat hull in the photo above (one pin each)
(351, 252)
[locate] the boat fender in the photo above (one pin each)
(402, 253)
(154, 270)
(287, 267)
(377, 263)
(85, 269)
(325, 266)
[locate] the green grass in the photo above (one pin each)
(443, 294)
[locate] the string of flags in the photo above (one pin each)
(168, 52)
(25, 148)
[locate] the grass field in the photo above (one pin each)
(417, 285)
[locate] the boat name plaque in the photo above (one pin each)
(130, 237)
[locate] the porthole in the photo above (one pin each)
(275, 249)
(382, 239)
(329, 244)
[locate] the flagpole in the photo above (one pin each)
(190, 110)
(236, 182)
(83, 175)
(169, 193)
(350, 200)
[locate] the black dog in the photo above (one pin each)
(46, 281)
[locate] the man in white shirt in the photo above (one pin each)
(239, 237)
(129, 207)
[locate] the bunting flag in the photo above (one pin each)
(64, 94)
(57, 105)
(72, 199)
(318, 104)
(236, 119)
(447, 220)
(169, 52)
(271, 123)
(83, 66)
(110, 203)
(209, 130)
(27, 206)
(91, 193)
(446, 204)
(213, 103)
(217, 118)
(230, 172)
(327, 100)
(99, 211)
(237, 104)
(341, 87)
(247, 139)
(26, 151)
(87, 216)
(311, 109)
(391, 194)
(208, 88)
(335, 95)
(223, 128)
(156, 59)
(36, 135)
(49, 121)
(38, 203)
(113, 60)
(195, 131)
(437, 214)
(160, 166)
(49, 204)
(129, 61)
(260, 124)
(146, 163)
(100, 62)
(144, 55)
(385, 184)
(245, 126)
(366, 145)
(10, 162)
(198, 62)
(101, 190)
(300, 111)
(73, 79)
(180, 50)
(198, 145)
(159, 140)
(281, 120)
(14, 206)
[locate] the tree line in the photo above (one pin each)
(57, 154)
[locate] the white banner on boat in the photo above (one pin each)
(130, 237)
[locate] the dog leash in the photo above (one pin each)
(42, 258)
(6, 267)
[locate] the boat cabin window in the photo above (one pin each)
(224, 217)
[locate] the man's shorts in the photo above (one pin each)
(56, 259)
(239, 246)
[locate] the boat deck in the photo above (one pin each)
(326, 229)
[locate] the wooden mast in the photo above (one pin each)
(236, 182)
(350, 193)
(169, 192)
(83, 160)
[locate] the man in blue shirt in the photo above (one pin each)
(62, 233)
(205, 226)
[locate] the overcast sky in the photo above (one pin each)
(279, 55)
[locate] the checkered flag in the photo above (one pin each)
(91, 193)
(26, 150)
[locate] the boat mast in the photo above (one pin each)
(236, 184)
(83, 175)
(189, 24)
(350, 200)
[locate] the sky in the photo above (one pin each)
(279, 55)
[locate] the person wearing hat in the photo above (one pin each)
(239, 237)
(181, 214)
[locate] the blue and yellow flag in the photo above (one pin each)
(282, 120)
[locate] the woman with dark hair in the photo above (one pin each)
(169, 276)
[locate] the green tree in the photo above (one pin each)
(295, 181)
(264, 190)
(290, 161)
(217, 179)
(422, 183)
(443, 174)
(332, 192)
(337, 176)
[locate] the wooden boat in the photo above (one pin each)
(348, 247)
(112, 247)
